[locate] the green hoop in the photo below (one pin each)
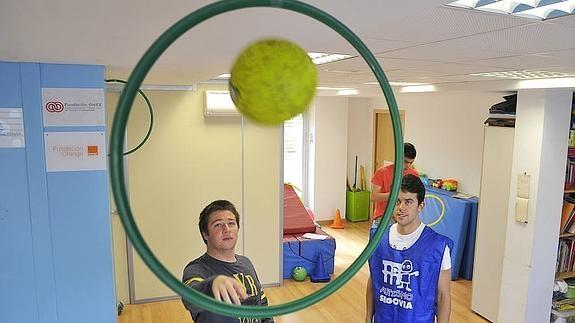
(441, 213)
(117, 166)
(150, 110)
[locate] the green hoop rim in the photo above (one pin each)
(117, 167)
(441, 214)
(150, 111)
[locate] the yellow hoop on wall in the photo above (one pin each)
(442, 213)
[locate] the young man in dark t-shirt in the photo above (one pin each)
(220, 273)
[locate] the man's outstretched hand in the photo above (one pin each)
(229, 290)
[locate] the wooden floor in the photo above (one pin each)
(345, 305)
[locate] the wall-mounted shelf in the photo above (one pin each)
(564, 275)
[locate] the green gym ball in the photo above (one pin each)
(299, 273)
(272, 80)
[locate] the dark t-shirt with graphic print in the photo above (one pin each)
(200, 274)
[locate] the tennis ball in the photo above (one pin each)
(299, 273)
(272, 80)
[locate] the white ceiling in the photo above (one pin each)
(414, 41)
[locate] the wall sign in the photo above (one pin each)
(11, 128)
(75, 151)
(73, 107)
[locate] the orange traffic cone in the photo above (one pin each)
(337, 221)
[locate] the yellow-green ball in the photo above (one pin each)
(272, 80)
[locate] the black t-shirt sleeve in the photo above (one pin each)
(197, 277)
(200, 275)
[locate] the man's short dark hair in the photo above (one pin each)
(409, 150)
(412, 184)
(219, 205)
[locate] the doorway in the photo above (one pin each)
(383, 144)
(295, 160)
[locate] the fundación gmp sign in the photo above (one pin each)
(64, 107)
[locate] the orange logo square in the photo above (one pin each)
(92, 150)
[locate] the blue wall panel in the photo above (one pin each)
(56, 262)
(41, 228)
(72, 76)
(82, 246)
(17, 284)
(10, 91)
(80, 220)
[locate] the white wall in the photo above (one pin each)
(329, 131)
(360, 138)
(310, 191)
(188, 162)
(446, 128)
(539, 150)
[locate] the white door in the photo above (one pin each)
(492, 220)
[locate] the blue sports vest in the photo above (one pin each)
(405, 282)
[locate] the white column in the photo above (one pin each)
(540, 150)
(330, 156)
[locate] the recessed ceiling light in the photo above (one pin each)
(340, 90)
(536, 9)
(524, 75)
(223, 76)
(547, 83)
(418, 88)
(324, 58)
(330, 70)
(553, 10)
(347, 92)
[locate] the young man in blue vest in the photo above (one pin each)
(410, 271)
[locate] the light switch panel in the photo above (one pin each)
(521, 209)
(523, 185)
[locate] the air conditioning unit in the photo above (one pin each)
(219, 104)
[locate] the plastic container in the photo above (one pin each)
(357, 206)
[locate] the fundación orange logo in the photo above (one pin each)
(92, 150)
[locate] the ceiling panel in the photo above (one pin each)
(408, 75)
(334, 43)
(382, 45)
(444, 52)
(416, 40)
(565, 20)
(357, 63)
(445, 23)
(568, 55)
(524, 62)
(529, 39)
(456, 69)
(461, 78)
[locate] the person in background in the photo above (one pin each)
(410, 270)
(221, 273)
(382, 178)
